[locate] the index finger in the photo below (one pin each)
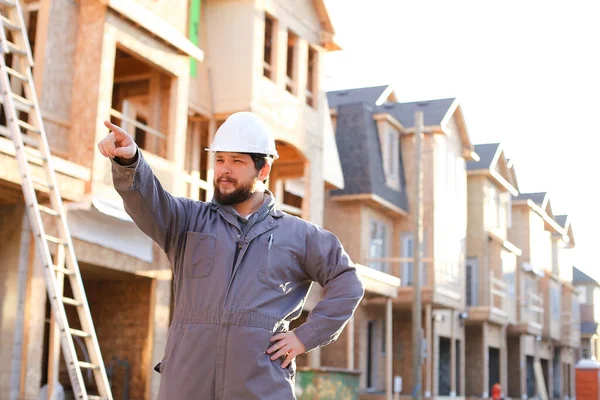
(116, 129)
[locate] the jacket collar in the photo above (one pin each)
(268, 207)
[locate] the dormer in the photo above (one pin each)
(389, 130)
(497, 189)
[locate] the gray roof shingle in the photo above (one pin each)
(486, 154)
(581, 277)
(434, 111)
(589, 328)
(360, 155)
(367, 95)
(561, 219)
(537, 198)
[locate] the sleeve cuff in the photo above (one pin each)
(115, 161)
(305, 334)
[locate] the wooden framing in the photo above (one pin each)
(154, 24)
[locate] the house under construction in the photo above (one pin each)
(169, 75)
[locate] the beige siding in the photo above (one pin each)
(229, 52)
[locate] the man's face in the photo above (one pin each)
(235, 178)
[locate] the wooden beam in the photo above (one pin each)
(388, 348)
(24, 352)
(130, 66)
(350, 344)
(132, 78)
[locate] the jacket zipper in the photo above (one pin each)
(237, 253)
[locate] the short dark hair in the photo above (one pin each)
(260, 160)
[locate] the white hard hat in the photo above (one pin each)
(244, 132)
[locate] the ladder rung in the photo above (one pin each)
(31, 154)
(94, 397)
(41, 182)
(16, 74)
(87, 365)
(48, 210)
(18, 106)
(7, 3)
(22, 100)
(77, 332)
(71, 302)
(13, 48)
(63, 270)
(54, 239)
(9, 24)
(27, 126)
(32, 142)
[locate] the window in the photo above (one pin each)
(499, 212)
(290, 69)
(392, 159)
(509, 267)
(378, 246)
(389, 138)
(585, 353)
(528, 289)
(555, 303)
(269, 47)
(582, 294)
(495, 205)
(311, 77)
(472, 280)
(407, 266)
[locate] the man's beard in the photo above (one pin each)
(239, 195)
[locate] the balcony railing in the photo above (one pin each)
(570, 328)
(498, 295)
(532, 309)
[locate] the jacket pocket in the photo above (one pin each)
(276, 267)
(199, 254)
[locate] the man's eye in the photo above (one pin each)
(237, 161)
(219, 161)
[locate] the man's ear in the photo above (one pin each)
(264, 172)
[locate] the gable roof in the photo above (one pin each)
(538, 198)
(542, 206)
(562, 220)
(565, 222)
(487, 153)
(328, 39)
(361, 158)
(513, 173)
(581, 277)
(493, 162)
(434, 111)
(589, 328)
(370, 95)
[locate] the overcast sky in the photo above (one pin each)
(525, 72)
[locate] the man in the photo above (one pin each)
(241, 270)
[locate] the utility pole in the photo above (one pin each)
(417, 356)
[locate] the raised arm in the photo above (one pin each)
(156, 212)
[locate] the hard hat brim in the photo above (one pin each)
(233, 149)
